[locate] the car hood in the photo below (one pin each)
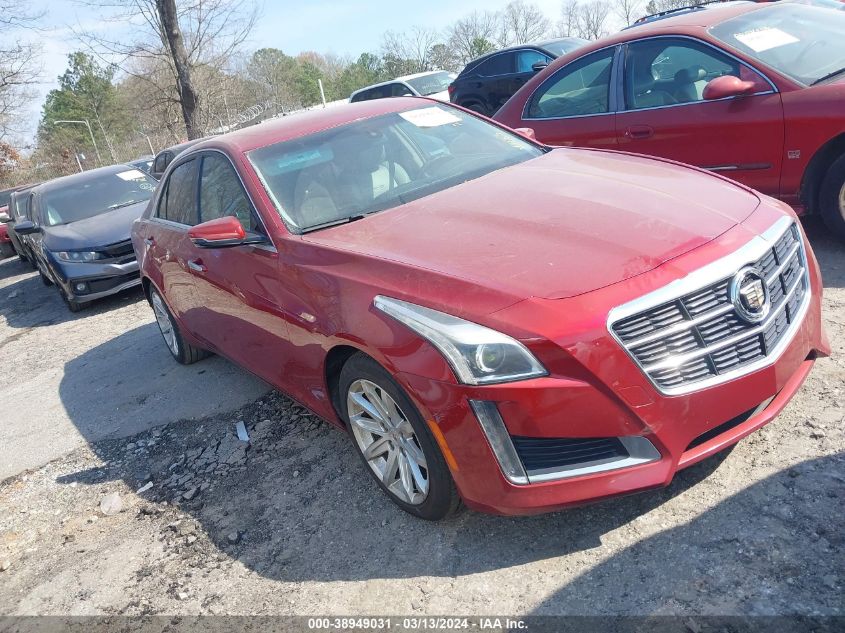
(99, 230)
(443, 95)
(557, 226)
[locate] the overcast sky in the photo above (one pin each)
(327, 26)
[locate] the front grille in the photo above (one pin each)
(122, 252)
(700, 336)
(544, 454)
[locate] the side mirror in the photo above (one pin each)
(4, 217)
(727, 86)
(27, 227)
(527, 132)
(538, 66)
(221, 233)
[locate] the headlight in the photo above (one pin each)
(477, 354)
(79, 256)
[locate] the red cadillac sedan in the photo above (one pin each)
(492, 320)
(753, 91)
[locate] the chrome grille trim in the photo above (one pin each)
(687, 335)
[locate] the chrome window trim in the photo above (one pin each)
(623, 103)
(710, 274)
(613, 104)
(618, 105)
(191, 154)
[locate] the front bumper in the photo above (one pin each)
(595, 390)
(98, 280)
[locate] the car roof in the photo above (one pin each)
(85, 176)
(305, 123)
(538, 44)
(393, 81)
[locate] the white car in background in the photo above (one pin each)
(434, 84)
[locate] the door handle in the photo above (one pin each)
(639, 132)
(197, 266)
(149, 241)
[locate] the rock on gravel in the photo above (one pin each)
(111, 504)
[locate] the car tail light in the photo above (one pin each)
(451, 89)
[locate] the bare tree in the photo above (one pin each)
(19, 65)
(569, 26)
(182, 37)
(592, 17)
(408, 52)
(522, 22)
(627, 10)
(473, 35)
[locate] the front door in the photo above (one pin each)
(574, 107)
(237, 288)
(665, 113)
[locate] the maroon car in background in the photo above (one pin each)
(493, 320)
(753, 91)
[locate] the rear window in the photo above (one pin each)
(80, 199)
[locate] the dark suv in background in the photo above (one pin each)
(487, 82)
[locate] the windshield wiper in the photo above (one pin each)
(325, 225)
(123, 204)
(828, 76)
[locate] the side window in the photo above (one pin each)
(161, 163)
(578, 89)
(221, 193)
(670, 71)
(362, 96)
(501, 64)
(178, 201)
(526, 59)
(400, 90)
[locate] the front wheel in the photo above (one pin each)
(394, 441)
(832, 198)
(183, 352)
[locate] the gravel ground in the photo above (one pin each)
(146, 507)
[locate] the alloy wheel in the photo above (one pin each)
(842, 201)
(168, 330)
(387, 441)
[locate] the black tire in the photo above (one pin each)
(442, 498)
(75, 306)
(185, 353)
(477, 108)
(44, 278)
(832, 198)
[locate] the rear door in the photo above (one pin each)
(665, 113)
(575, 106)
(166, 243)
(494, 79)
(237, 288)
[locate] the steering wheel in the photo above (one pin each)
(431, 168)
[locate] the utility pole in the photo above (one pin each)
(91, 134)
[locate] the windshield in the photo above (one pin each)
(86, 198)
(803, 42)
(562, 47)
(375, 164)
(432, 84)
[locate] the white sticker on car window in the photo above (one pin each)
(764, 39)
(131, 174)
(429, 117)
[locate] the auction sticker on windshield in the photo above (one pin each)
(429, 117)
(761, 40)
(131, 174)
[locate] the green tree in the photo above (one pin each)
(85, 93)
